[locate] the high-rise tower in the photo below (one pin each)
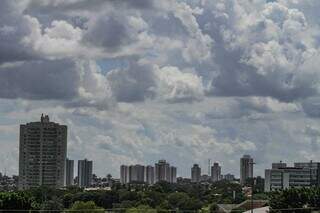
(246, 168)
(42, 154)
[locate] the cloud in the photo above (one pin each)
(175, 85)
(77, 82)
(169, 79)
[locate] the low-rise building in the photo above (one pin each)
(283, 177)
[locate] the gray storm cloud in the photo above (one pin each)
(238, 48)
(198, 78)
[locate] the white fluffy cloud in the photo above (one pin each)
(144, 79)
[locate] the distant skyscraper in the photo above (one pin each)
(84, 173)
(229, 177)
(162, 171)
(124, 174)
(173, 174)
(69, 172)
(149, 174)
(136, 173)
(246, 168)
(195, 173)
(42, 154)
(216, 172)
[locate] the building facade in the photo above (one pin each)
(195, 173)
(136, 173)
(69, 174)
(229, 177)
(149, 175)
(315, 171)
(246, 168)
(165, 172)
(84, 173)
(216, 172)
(124, 174)
(173, 174)
(42, 154)
(162, 171)
(302, 174)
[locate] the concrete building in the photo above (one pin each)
(229, 177)
(205, 178)
(246, 168)
(303, 174)
(216, 172)
(165, 172)
(315, 171)
(42, 154)
(195, 173)
(279, 165)
(84, 173)
(136, 173)
(124, 174)
(69, 174)
(149, 175)
(173, 174)
(162, 171)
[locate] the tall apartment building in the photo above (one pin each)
(69, 173)
(149, 175)
(124, 174)
(229, 177)
(195, 173)
(246, 168)
(162, 171)
(301, 175)
(216, 172)
(84, 173)
(165, 172)
(42, 154)
(136, 173)
(173, 174)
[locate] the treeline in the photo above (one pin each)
(160, 197)
(302, 200)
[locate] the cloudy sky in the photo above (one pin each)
(185, 80)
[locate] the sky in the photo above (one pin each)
(181, 80)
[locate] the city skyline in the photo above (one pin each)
(246, 163)
(184, 81)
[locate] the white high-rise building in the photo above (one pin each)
(42, 154)
(216, 172)
(246, 168)
(69, 174)
(84, 173)
(195, 173)
(124, 174)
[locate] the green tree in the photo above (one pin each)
(141, 209)
(213, 208)
(54, 204)
(180, 200)
(302, 199)
(16, 200)
(86, 207)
